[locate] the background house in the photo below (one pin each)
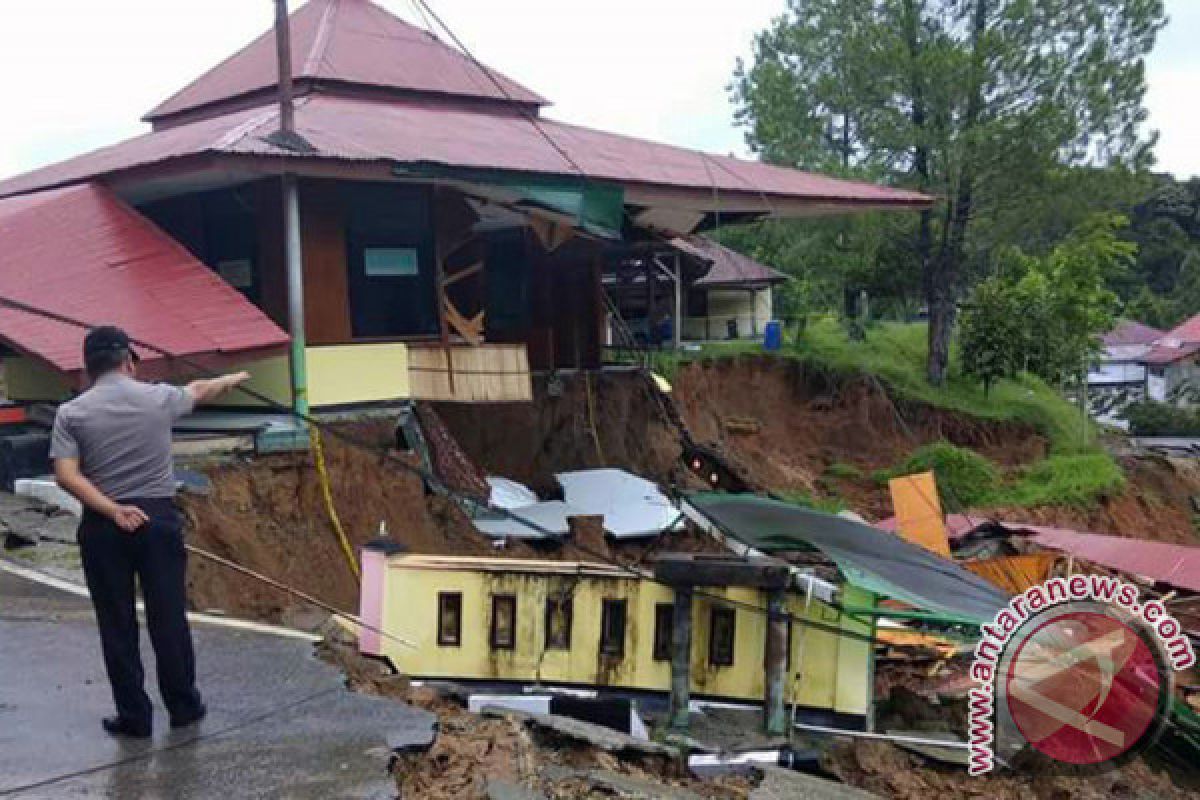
(1171, 363)
(723, 294)
(1118, 378)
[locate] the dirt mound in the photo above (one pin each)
(1156, 504)
(888, 771)
(808, 420)
(269, 515)
(529, 442)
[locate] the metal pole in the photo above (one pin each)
(295, 285)
(293, 255)
(283, 54)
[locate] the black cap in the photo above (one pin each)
(106, 339)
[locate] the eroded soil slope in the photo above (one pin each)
(783, 426)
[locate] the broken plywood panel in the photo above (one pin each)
(489, 373)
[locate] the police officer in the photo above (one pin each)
(111, 447)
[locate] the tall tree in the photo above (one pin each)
(973, 101)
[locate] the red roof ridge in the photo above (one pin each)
(338, 44)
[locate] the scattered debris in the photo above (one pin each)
(743, 426)
(778, 784)
(598, 736)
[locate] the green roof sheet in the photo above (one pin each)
(876, 560)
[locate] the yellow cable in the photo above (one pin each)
(327, 493)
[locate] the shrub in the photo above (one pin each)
(964, 477)
(1149, 418)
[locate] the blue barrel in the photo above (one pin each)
(773, 335)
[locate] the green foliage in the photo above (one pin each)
(844, 471)
(986, 104)
(1149, 418)
(830, 505)
(968, 480)
(894, 353)
(1077, 480)
(1045, 314)
(965, 479)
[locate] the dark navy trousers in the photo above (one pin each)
(154, 557)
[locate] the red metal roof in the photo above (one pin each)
(82, 253)
(1173, 564)
(347, 42)
(1165, 352)
(728, 267)
(1178, 343)
(957, 525)
(414, 132)
(1131, 332)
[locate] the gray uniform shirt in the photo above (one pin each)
(120, 430)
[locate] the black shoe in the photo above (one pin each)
(190, 719)
(120, 726)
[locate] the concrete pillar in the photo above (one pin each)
(774, 709)
(681, 658)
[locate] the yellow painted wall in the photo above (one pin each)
(26, 379)
(834, 672)
(337, 375)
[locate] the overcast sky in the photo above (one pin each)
(80, 73)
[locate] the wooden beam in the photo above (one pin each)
(687, 569)
(467, 272)
(681, 660)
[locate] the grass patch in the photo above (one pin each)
(799, 497)
(964, 478)
(844, 471)
(1077, 480)
(968, 480)
(896, 352)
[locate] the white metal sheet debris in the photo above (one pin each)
(509, 494)
(550, 517)
(631, 506)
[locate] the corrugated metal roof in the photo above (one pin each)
(1178, 343)
(1177, 565)
(1131, 332)
(728, 267)
(1168, 351)
(413, 132)
(1172, 564)
(82, 253)
(350, 42)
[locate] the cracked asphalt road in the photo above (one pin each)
(281, 724)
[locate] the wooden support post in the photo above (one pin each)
(440, 282)
(774, 709)
(677, 328)
(681, 657)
